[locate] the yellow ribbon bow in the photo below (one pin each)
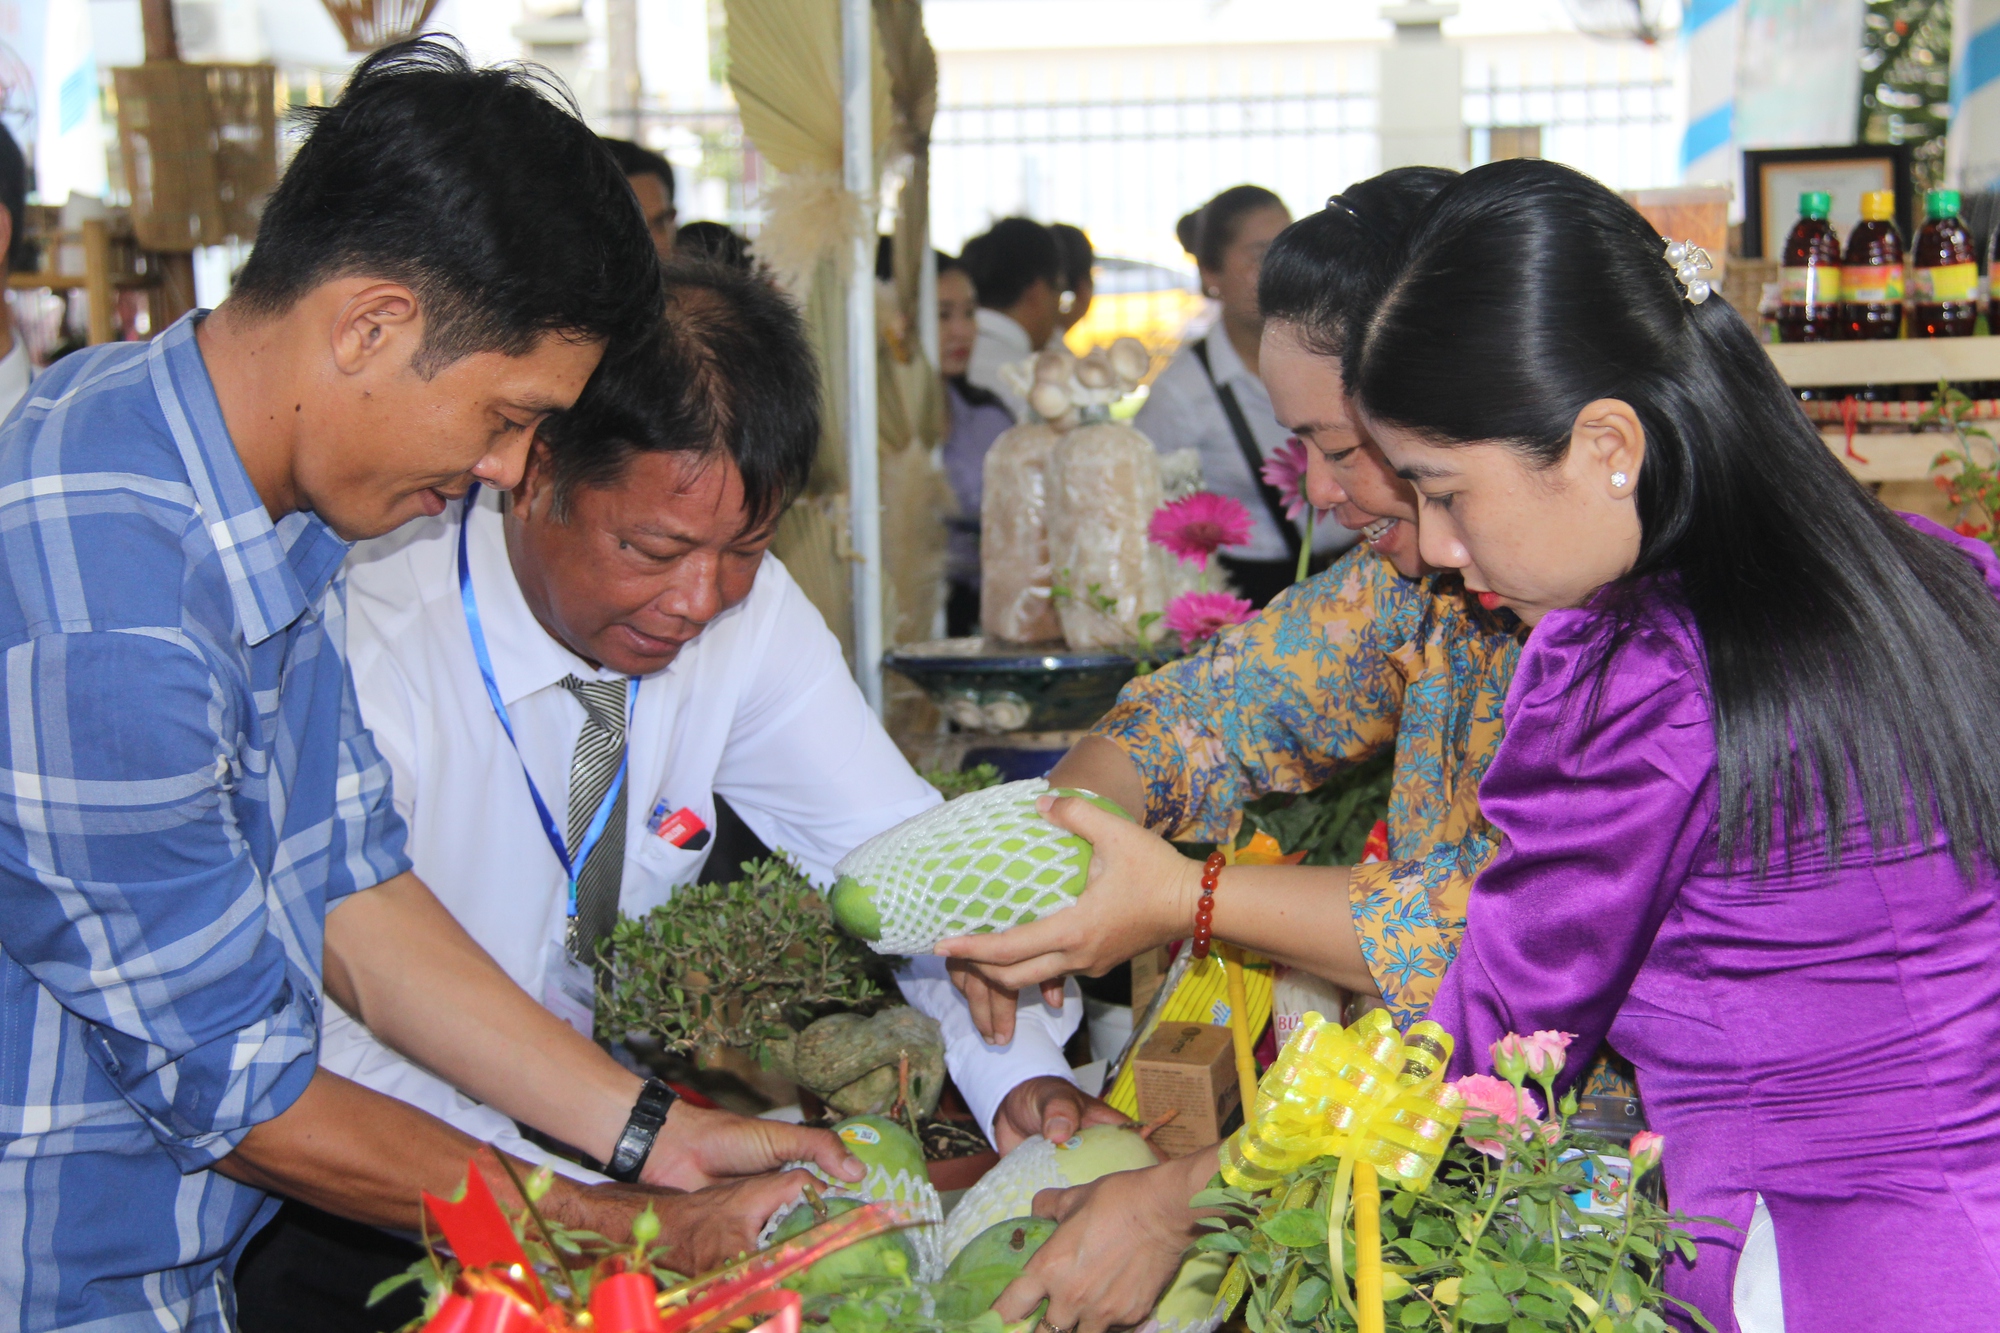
(1367, 1095)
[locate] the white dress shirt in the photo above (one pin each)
(759, 708)
(17, 371)
(1183, 412)
(1001, 340)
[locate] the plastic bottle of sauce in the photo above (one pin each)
(1871, 272)
(1809, 277)
(1944, 272)
(1871, 282)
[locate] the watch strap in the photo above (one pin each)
(635, 1145)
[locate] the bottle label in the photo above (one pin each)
(1812, 284)
(1871, 284)
(1945, 282)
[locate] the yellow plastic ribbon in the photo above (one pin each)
(1365, 1094)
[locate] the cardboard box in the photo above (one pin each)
(1189, 1068)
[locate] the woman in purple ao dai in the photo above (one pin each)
(1748, 790)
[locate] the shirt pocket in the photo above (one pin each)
(665, 867)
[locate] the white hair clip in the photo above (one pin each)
(1689, 262)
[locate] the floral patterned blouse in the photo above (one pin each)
(1353, 662)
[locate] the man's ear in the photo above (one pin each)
(536, 493)
(1608, 445)
(380, 319)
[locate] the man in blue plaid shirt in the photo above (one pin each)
(193, 819)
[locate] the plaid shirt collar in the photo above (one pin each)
(275, 571)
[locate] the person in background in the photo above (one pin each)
(713, 241)
(1211, 399)
(16, 368)
(1017, 268)
(1079, 263)
(652, 180)
(976, 419)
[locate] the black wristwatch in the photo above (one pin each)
(636, 1143)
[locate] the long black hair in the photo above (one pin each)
(1853, 663)
(1330, 267)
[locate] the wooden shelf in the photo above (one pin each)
(1890, 455)
(1889, 361)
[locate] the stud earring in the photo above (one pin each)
(1619, 479)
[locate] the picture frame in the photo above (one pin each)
(1773, 179)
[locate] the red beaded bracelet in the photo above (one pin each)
(1204, 910)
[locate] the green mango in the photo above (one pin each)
(984, 862)
(853, 906)
(880, 1141)
(878, 1261)
(994, 1258)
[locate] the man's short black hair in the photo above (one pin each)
(712, 240)
(1078, 255)
(1008, 260)
(14, 196)
(480, 189)
(634, 160)
(728, 371)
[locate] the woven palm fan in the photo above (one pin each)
(371, 24)
(784, 68)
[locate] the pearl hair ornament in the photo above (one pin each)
(1689, 261)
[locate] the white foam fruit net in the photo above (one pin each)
(983, 862)
(1006, 1192)
(882, 1185)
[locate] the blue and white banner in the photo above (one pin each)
(1972, 152)
(1711, 34)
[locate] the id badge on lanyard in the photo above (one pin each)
(569, 987)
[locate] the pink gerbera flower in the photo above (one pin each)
(1202, 615)
(1285, 472)
(1193, 527)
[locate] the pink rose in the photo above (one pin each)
(1547, 1053)
(1510, 1058)
(1495, 1108)
(1646, 1149)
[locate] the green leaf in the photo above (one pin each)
(1309, 1299)
(1223, 1197)
(1419, 1252)
(1222, 1242)
(1642, 1247)
(1510, 1277)
(1484, 1307)
(390, 1285)
(1541, 1307)
(1519, 1325)
(1415, 1315)
(1296, 1228)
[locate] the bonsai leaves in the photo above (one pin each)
(742, 965)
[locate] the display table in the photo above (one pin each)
(1888, 450)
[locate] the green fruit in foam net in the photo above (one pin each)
(984, 1267)
(876, 1262)
(983, 862)
(1009, 1189)
(880, 1142)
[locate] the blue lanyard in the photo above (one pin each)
(591, 835)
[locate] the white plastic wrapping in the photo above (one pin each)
(1014, 538)
(1104, 484)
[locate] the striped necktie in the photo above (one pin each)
(598, 751)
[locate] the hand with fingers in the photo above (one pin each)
(1119, 1244)
(1052, 1107)
(1140, 893)
(698, 1147)
(701, 1230)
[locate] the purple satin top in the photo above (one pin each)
(1829, 1039)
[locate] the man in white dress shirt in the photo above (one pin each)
(16, 369)
(1017, 269)
(634, 551)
